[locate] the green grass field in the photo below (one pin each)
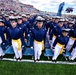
(23, 68)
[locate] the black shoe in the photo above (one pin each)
(1, 57)
(38, 59)
(20, 59)
(67, 59)
(70, 60)
(17, 59)
(53, 60)
(35, 60)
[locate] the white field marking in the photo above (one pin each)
(41, 61)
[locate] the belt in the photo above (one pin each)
(62, 50)
(54, 36)
(5, 35)
(73, 38)
(38, 42)
(19, 43)
(24, 34)
(60, 44)
(42, 42)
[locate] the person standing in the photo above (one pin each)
(39, 35)
(16, 38)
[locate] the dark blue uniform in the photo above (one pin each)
(27, 24)
(56, 31)
(65, 25)
(61, 40)
(24, 29)
(15, 33)
(3, 30)
(7, 23)
(72, 33)
(38, 34)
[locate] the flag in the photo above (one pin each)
(69, 10)
(60, 8)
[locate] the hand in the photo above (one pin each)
(31, 47)
(23, 47)
(28, 34)
(53, 48)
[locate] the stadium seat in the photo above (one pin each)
(67, 53)
(28, 52)
(28, 41)
(4, 46)
(9, 50)
(47, 45)
(48, 53)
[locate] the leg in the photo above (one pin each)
(19, 51)
(39, 51)
(70, 44)
(53, 39)
(56, 52)
(35, 51)
(20, 54)
(1, 52)
(73, 54)
(14, 44)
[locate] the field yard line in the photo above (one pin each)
(41, 61)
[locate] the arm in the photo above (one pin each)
(51, 34)
(8, 36)
(22, 38)
(2, 37)
(55, 42)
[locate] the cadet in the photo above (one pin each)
(16, 38)
(72, 35)
(73, 53)
(2, 37)
(7, 21)
(65, 25)
(60, 44)
(39, 35)
(20, 25)
(53, 24)
(25, 22)
(70, 25)
(11, 13)
(56, 31)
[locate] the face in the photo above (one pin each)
(50, 20)
(56, 21)
(60, 24)
(24, 19)
(13, 24)
(19, 21)
(53, 20)
(64, 33)
(65, 22)
(11, 14)
(39, 24)
(1, 24)
(7, 18)
(28, 16)
(0, 16)
(70, 25)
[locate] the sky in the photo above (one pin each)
(51, 5)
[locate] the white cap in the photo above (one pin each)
(39, 18)
(19, 17)
(66, 30)
(23, 15)
(12, 12)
